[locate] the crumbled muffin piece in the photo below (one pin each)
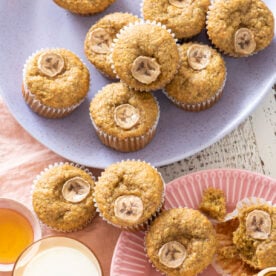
(213, 203)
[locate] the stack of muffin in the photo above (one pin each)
(145, 55)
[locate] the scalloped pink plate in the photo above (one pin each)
(129, 258)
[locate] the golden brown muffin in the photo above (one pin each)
(181, 242)
(84, 7)
(255, 238)
(184, 18)
(55, 82)
(145, 56)
(200, 80)
(129, 194)
(63, 197)
(213, 203)
(99, 38)
(240, 28)
(124, 119)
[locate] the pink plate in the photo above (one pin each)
(129, 258)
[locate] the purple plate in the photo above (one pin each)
(27, 26)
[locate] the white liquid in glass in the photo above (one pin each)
(61, 261)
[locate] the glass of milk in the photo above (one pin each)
(57, 256)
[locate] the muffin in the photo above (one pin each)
(99, 38)
(84, 7)
(227, 260)
(255, 238)
(145, 56)
(55, 82)
(200, 80)
(124, 119)
(240, 28)
(185, 18)
(63, 197)
(129, 194)
(180, 242)
(213, 203)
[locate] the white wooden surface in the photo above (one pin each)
(251, 146)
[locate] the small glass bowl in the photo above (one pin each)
(7, 203)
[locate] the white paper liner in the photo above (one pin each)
(217, 46)
(144, 225)
(128, 144)
(201, 105)
(36, 105)
(107, 60)
(266, 270)
(137, 23)
(51, 166)
(246, 202)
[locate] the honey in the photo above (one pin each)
(15, 235)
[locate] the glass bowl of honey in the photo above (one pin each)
(56, 256)
(19, 228)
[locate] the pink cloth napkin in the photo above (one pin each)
(21, 159)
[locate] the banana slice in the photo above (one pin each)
(50, 64)
(270, 271)
(198, 56)
(126, 116)
(128, 208)
(258, 224)
(145, 69)
(180, 3)
(172, 254)
(244, 41)
(75, 189)
(100, 41)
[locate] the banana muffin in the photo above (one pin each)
(255, 238)
(124, 119)
(145, 56)
(84, 7)
(240, 28)
(63, 197)
(200, 80)
(185, 18)
(99, 38)
(55, 82)
(129, 194)
(180, 242)
(213, 203)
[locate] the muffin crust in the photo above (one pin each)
(134, 178)
(184, 22)
(188, 227)
(112, 24)
(50, 205)
(226, 17)
(84, 7)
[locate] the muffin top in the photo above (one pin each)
(84, 7)
(184, 18)
(129, 193)
(201, 75)
(100, 36)
(180, 242)
(56, 77)
(123, 112)
(62, 197)
(255, 238)
(240, 27)
(145, 56)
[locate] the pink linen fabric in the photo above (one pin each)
(21, 159)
